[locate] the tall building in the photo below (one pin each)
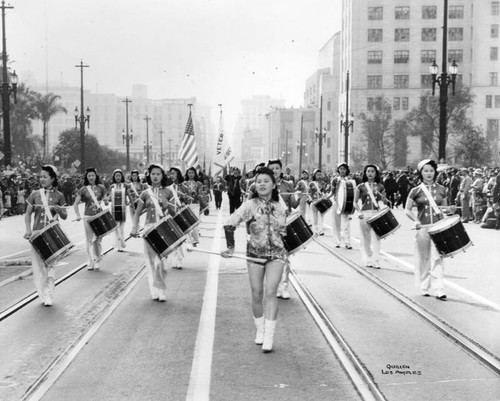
(387, 49)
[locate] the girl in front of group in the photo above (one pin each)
(91, 193)
(47, 204)
(317, 191)
(118, 192)
(265, 218)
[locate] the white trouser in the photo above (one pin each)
(157, 271)
(370, 242)
(43, 275)
(120, 235)
(194, 235)
(429, 266)
(303, 207)
(341, 224)
(93, 245)
(317, 220)
(175, 259)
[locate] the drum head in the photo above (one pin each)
(444, 224)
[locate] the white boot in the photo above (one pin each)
(285, 294)
(269, 326)
(279, 293)
(259, 325)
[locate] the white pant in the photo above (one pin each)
(341, 224)
(317, 220)
(93, 245)
(157, 271)
(43, 275)
(370, 242)
(120, 235)
(429, 266)
(194, 235)
(175, 259)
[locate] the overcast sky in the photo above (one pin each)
(220, 51)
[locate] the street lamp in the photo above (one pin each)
(126, 137)
(147, 149)
(443, 81)
(345, 124)
(321, 138)
(6, 91)
(82, 119)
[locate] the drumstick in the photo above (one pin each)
(250, 259)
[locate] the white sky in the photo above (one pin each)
(220, 51)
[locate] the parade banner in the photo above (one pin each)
(223, 152)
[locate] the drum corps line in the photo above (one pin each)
(275, 213)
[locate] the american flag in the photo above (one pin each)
(188, 152)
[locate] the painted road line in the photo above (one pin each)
(201, 370)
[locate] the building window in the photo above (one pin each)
(493, 78)
(328, 142)
(493, 53)
(492, 129)
(402, 34)
(328, 125)
(374, 81)
(375, 13)
(329, 105)
(429, 12)
(404, 103)
(456, 12)
(497, 102)
(494, 30)
(401, 81)
(427, 56)
(456, 54)
(401, 56)
(374, 35)
(402, 13)
(396, 103)
(375, 57)
(489, 101)
(494, 8)
(426, 81)
(374, 103)
(456, 33)
(429, 34)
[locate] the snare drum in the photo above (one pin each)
(118, 204)
(164, 237)
(383, 223)
(298, 234)
(449, 236)
(51, 243)
(186, 220)
(102, 223)
(345, 196)
(323, 205)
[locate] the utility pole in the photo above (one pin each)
(147, 119)
(82, 119)
(300, 145)
(161, 132)
(170, 150)
(127, 136)
(346, 124)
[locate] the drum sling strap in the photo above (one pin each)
(154, 199)
(432, 202)
(92, 195)
(45, 203)
(176, 197)
(372, 197)
(282, 201)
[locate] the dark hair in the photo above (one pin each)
(433, 164)
(180, 178)
(274, 161)
(316, 172)
(113, 177)
(52, 174)
(266, 170)
(346, 166)
(163, 182)
(377, 173)
(86, 180)
(196, 178)
(138, 175)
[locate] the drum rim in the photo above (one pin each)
(461, 250)
(153, 226)
(379, 213)
(174, 246)
(434, 228)
(45, 228)
(101, 213)
(301, 246)
(294, 217)
(390, 232)
(344, 199)
(60, 253)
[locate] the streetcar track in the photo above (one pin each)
(467, 344)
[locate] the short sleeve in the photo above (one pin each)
(413, 193)
(31, 198)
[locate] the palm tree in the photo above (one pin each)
(48, 106)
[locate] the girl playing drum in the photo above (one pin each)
(135, 189)
(370, 192)
(266, 223)
(47, 204)
(156, 199)
(192, 187)
(427, 196)
(316, 193)
(341, 222)
(91, 193)
(117, 194)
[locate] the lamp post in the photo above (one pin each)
(82, 118)
(301, 146)
(345, 124)
(6, 91)
(320, 144)
(320, 138)
(161, 132)
(170, 151)
(126, 136)
(443, 81)
(149, 144)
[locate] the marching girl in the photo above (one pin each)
(317, 192)
(303, 187)
(192, 188)
(47, 204)
(428, 197)
(91, 193)
(266, 223)
(370, 192)
(118, 191)
(341, 222)
(135, 189)
(156, 200)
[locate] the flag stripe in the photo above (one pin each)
(188, 153)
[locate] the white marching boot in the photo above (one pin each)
(259, 325)
(269, 326)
